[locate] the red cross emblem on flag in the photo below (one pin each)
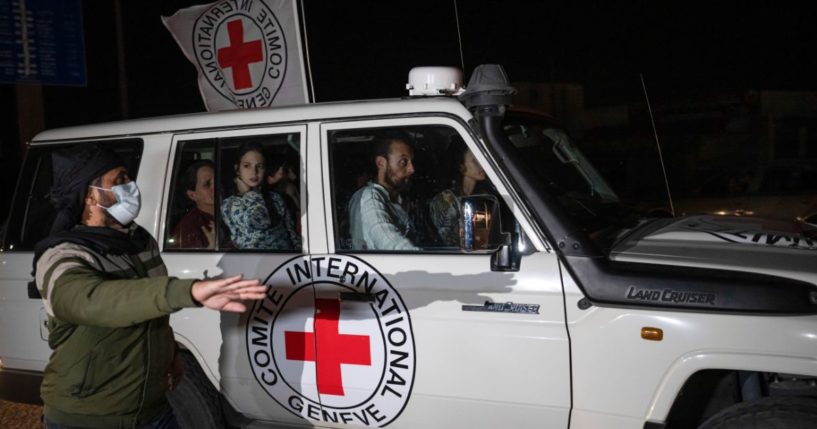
(239, 54)
(328, 348)
(244, 52)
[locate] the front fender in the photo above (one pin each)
(687, 365)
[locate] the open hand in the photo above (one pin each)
(226, 294)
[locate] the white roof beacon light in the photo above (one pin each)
(425, 81)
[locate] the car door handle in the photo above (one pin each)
(33, 292)
(358, 297)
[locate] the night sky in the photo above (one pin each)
(365, 49)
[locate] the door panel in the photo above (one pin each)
(21, 343)
(473, 368)
(244, 353)
(266, 374)
(486, 348)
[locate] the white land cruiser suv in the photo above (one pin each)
(555, 307)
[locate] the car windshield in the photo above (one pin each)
(565, 162)
(568, 175)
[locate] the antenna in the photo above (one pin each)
(459, 36)
(657, 144)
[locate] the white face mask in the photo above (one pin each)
(128, 202)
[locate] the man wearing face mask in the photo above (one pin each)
(107, 294)
(377, 219)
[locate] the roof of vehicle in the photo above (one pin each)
(254, 117)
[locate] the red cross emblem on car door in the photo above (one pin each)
(332, 342)
(328, 348)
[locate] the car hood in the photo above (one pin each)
(749, 244)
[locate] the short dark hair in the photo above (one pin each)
(383, 142)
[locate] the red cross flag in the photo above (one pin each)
(247, 52)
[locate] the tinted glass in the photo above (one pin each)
(258, 192)
(404, 189)
(32, 212)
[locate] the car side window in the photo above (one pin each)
(236, 194)
(32, 212)
(412, 189)
(191, 207)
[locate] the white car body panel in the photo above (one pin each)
(639, 379)
(462, 357)
(737, 244)
(20, 316)
(238, 119)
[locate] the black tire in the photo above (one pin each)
(196, 403)
(767, 413)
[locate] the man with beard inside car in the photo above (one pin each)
(378, 220)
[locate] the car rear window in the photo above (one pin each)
(32, 214)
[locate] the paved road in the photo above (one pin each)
(20, 416)
(14, 415)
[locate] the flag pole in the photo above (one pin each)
(311, 86)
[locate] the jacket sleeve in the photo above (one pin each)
(83, 295)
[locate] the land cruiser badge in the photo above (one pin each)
(332, 342)
(241, 50)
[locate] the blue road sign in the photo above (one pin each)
(41, 42)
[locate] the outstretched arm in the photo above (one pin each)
(228, 293)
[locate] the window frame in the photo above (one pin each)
(36, 154)
(477, 148)
(218, 136)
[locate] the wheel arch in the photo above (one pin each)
(686, 367)
(210, 369)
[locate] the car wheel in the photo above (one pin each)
(767, 413)
(195, 401)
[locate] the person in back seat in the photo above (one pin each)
(258, 218)
(444, 208)
(377, 219)
(196, 230)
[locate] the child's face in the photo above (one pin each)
(251, 169)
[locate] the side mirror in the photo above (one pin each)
(481, 229)
(506, 258)
(480, 223)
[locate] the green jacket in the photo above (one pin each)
(108, 327)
